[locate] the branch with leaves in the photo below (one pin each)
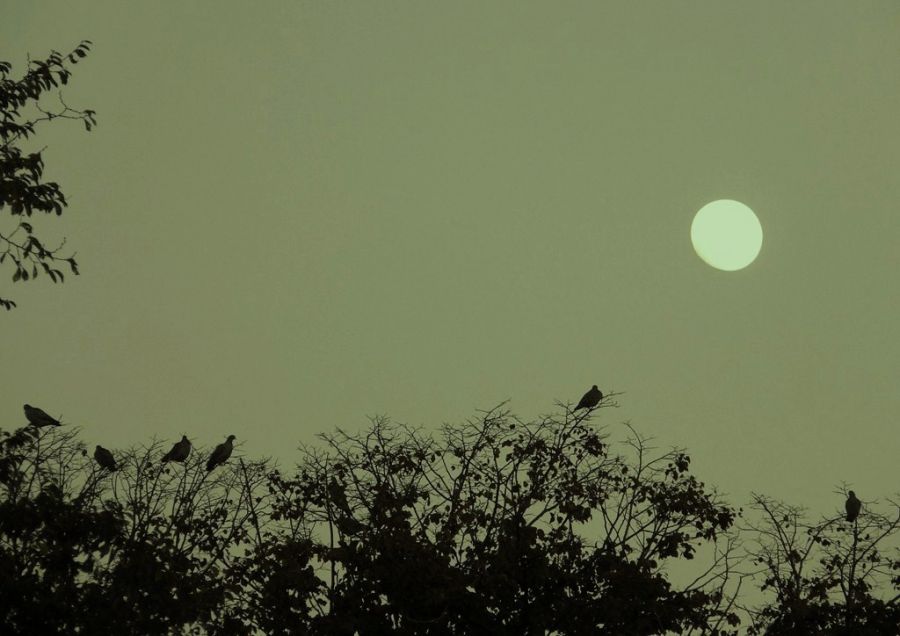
(23, 190)
(827, 575)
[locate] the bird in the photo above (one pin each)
(590, 399)
(221, 454)
(37, 417)
(179, 452)
(853, 506)
(337, 496)
(105, 458)
(344, 519)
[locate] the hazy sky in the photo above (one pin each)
(293, 215)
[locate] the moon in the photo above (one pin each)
(726, 234)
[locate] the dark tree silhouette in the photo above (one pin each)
(495, 526)
(142, 550)
(23, 191)
(830, 577)
(479, 530)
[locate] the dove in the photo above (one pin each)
(590, 399)
(344, 519)
(853, 506)
(37, 417)
(105, 458)
(179, 452)
(221, 454)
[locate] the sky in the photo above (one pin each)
(295, 215)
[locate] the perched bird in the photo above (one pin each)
(344, 519)
(37, 417)
(853, 506)
(105, 458)
(179, 452)
(221, 454)
(337, 496)
(590, 399)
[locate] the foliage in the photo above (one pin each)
(139, 551)
(828, 577)
(488, 514)
(494, 526)
(23, 189)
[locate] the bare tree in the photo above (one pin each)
(826, 576)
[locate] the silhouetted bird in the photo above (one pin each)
(37, 417)
(105, 458)
(179, 452)
(221, 454)
(853, 506)
(337, 497)
(590, 399)
(344, 519)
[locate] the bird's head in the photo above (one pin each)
(27, 406)
(231, 437)
(97, 447)
(594, 387)
(184, 438)
(851, 494)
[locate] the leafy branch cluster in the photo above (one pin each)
(23, 189)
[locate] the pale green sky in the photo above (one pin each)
(293, 215)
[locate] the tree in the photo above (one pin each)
(138, 551)
(495, 526)
(480, 531)
(23, 190)
(829, 577)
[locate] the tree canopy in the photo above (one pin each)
(496, 525)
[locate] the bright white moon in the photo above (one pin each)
(726, 234)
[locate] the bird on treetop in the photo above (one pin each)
(590, 399)
(179, 452)
(105, 458)
(852, 506)
(37, 417)
(221, 454)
